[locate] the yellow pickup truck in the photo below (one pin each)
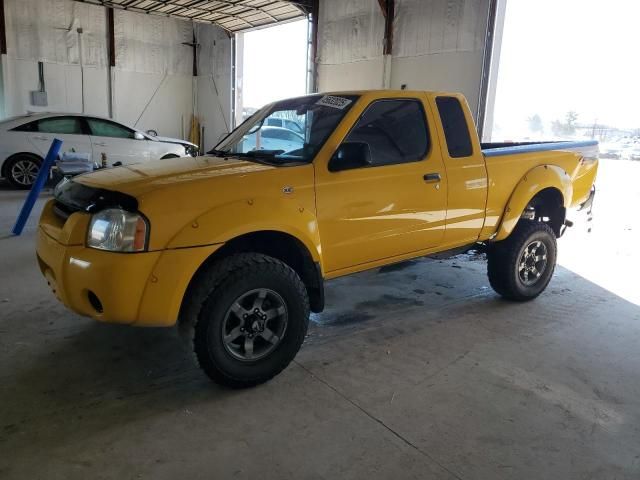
(235, 246)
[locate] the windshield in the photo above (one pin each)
(288, 131)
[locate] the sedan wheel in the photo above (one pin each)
(23, 172)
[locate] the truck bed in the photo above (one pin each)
(507, 163)
(493, 149)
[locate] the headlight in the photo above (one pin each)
(117, 230)
(191, 151)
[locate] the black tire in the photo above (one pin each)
(19, 170)
(170, 155)
(506, 259)
(210, 302)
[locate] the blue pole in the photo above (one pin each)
(37, 186)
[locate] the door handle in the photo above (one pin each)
(100, 144)
(432, 178)
(44, 139)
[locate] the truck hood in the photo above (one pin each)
(141, 178)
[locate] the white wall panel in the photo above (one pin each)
(424, 27)
(213, 84)
(63, 83)
(153, 101)
(152, 44)
(47, 31)
(445, 71)
(153, 84)
(351, 30)
(437, 45)
(363, 75)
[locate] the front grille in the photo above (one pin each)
(62, 211)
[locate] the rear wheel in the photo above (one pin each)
(251, 314)
(521, 267)
(22, 170)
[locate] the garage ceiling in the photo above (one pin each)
(232, 15)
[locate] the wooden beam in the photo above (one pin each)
(315, 11)
(111, 37)
(383, 7)
(3, 31)
(389, 14)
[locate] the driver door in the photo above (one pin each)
(391, 207)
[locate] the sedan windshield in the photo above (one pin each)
(288, 131)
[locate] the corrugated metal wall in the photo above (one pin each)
(438, 45)
(152, 82)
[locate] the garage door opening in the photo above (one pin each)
(567, 71)
(271, 64)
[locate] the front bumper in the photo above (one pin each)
(143, 289)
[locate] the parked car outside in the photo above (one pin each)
(25, 140)
(634, 153)
(284, 123)
(272, 138)
(610, 150)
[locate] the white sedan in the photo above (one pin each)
(25, 140)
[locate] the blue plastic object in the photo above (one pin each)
(37, 186)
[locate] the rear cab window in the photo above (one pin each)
(456, 129)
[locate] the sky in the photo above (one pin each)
(581, 55)
(275, 63)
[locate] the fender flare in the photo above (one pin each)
(533, 182)
(219, 225)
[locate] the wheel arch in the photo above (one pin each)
(548, 190)
(7, 161)
(277, 244)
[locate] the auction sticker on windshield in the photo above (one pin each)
(333, 102)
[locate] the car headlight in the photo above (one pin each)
(191, 151)
(117, 230)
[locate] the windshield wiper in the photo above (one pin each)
(219, 153)
(263, 153)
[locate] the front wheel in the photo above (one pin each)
(252, 321)
(520, 267)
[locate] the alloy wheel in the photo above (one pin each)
(254, 324)
(532, 263)
(24, 172)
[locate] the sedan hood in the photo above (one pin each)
(141, 178)
(173, 140)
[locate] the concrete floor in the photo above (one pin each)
(414, 371)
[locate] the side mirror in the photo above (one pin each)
(139, 136)
(350, 155)
(153, 133)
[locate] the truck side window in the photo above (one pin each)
(396, 131)
(456, 130)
